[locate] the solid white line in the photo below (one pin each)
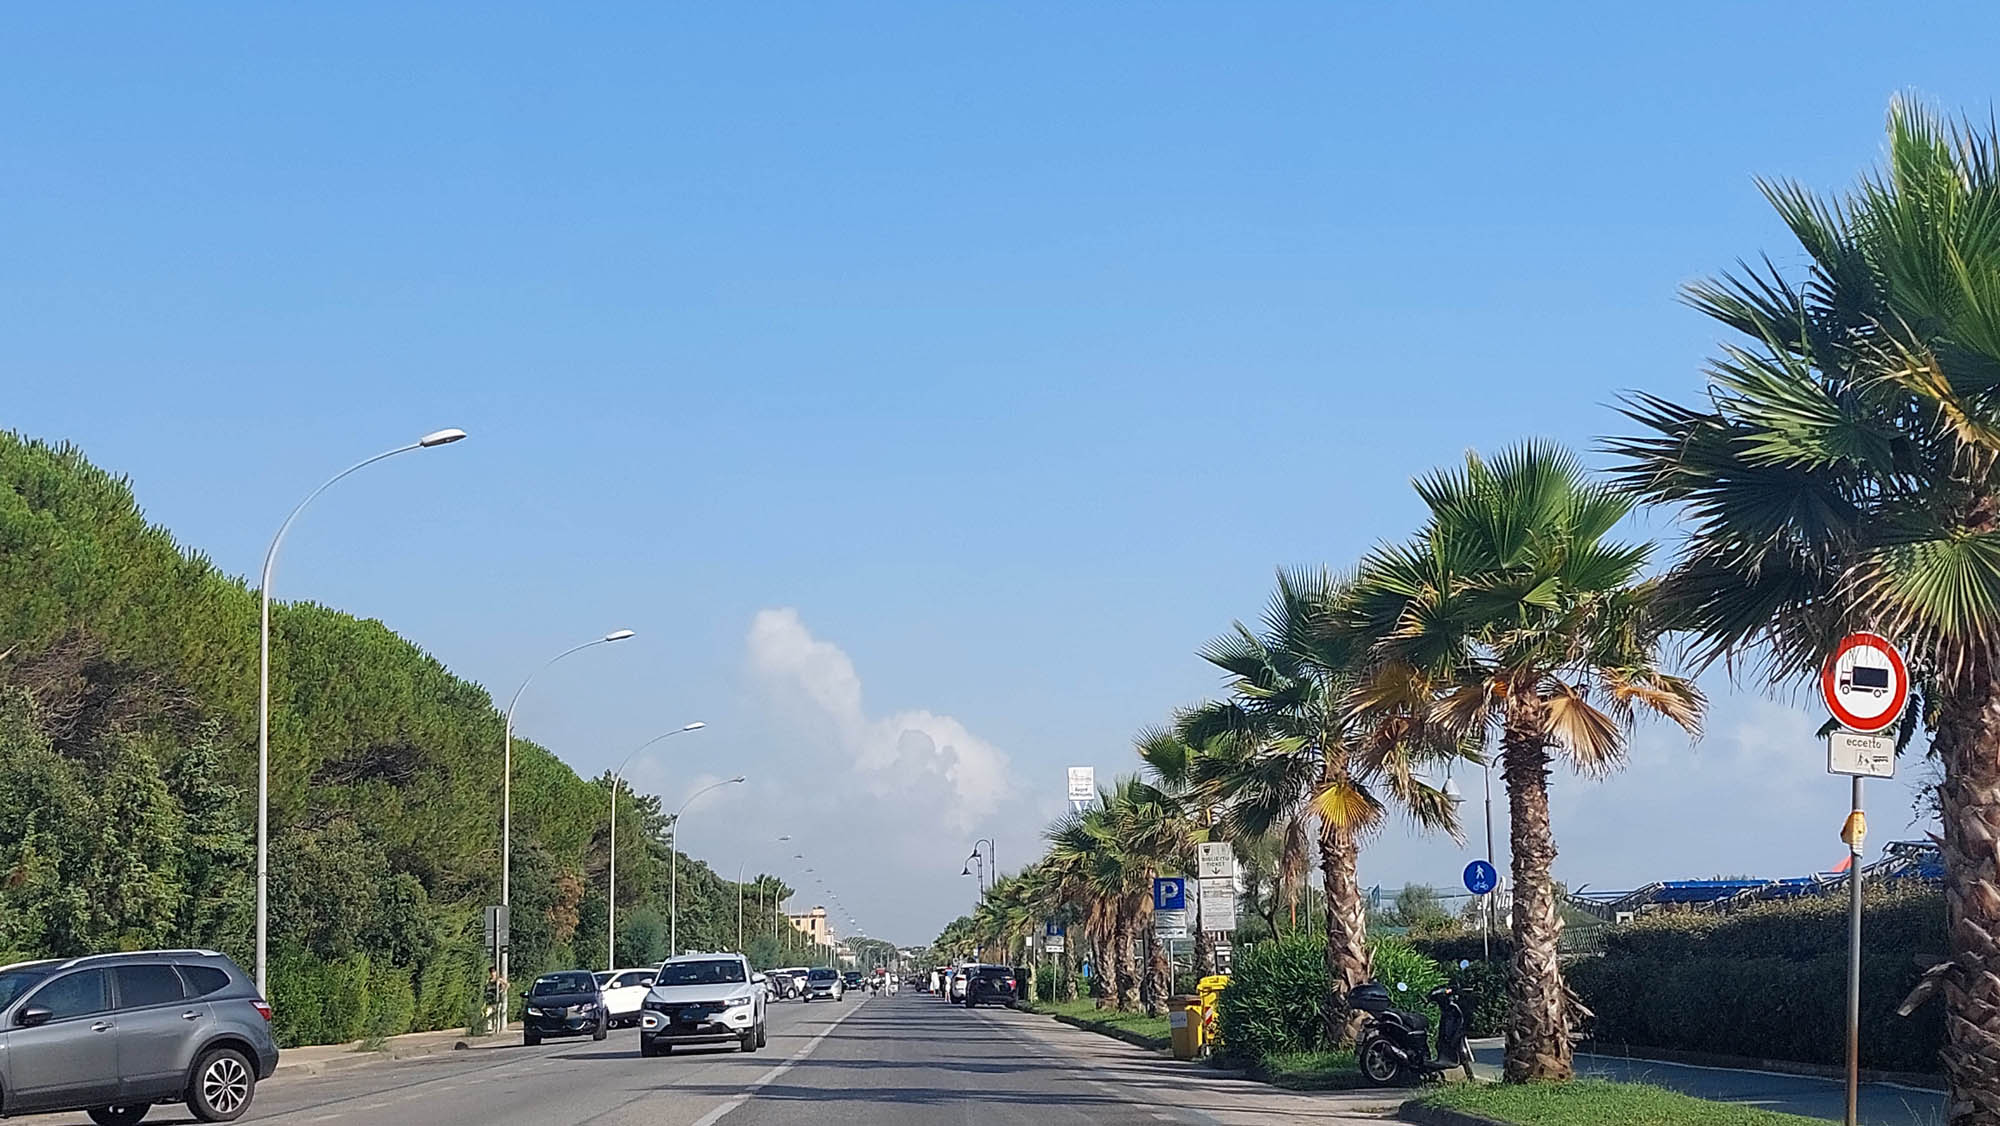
(771, 1076)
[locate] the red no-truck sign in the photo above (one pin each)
(1865, 682)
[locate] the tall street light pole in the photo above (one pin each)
(435, 438)
(740, 948)
(507, 804)
(611, 891)
(674, 870)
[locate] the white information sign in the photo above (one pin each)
(1868, 756)
(1218, 905)
(1216, 861)
(1083, 783)
(1054, 943)
(1169, 925)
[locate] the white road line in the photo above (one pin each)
(771, 1076)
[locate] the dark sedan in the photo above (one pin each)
(564, 1004)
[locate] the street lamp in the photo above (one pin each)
(434, 438)
(674, 867)
(611, 895)
(507, 802)
(988, 859)
(760, 903)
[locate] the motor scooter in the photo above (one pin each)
(1395, 1044)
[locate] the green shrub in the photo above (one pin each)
(391, 1004)
(1770, 981)
(1272, 1004)
(1483, 988)
(1397, 964)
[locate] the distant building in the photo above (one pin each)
(815, 925)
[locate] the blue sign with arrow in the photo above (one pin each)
(1170, 894)
(1480, 877)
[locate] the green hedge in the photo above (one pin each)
(1272, 1004)
(1770, 981)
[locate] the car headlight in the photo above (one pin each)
(738, 1002)
(533, 1011)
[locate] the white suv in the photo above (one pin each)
(702, 999)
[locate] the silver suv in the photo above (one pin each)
(112, 1034)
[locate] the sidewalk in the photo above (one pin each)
(325, 1059)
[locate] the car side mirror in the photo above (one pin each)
(759, 978)
(34, 1015)
(524, 995)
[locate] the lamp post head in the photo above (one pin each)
(697, 725)
(738, 778)
(1451, 791)
(441, 438)
(618, 635)
(968, 869)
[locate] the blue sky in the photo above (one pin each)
(941, 370)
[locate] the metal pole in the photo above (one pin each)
(674, 875)
(1854, 970)
(439, 438)
(507, 810)
(739, 905)
(611, 890)
(1486, 910)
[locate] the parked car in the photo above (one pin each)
(989, 985)
(564, 1003)
(624, 991)
(702, 999)
(112, 1034)
(790, 980)
(955, 987)
(823, 982)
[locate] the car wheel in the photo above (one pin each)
(119, 1115)
(646, 1048)
(222, 1086)
(602, 1030)
(749, 1041)
(763, 1037)
(531, 1039)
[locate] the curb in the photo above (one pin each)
(354, 1057)
(1415, 1111)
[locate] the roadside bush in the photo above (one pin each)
(1272, 1003)
(1483, 985)
(1770, 981)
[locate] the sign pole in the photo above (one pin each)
(1866, 684)
(1854, 963)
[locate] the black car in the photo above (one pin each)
(565, 1003)
(851, 981)
(990, 985)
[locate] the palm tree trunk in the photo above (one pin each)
(1069, 965)
(1127, 979)
(1968, 744)
(1538, 1013)
(1151, 997)
(1346, 931)
(1204, 946)
(1105, 976)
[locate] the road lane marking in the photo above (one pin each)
(772, 1076)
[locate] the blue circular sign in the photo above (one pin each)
(1480, 877)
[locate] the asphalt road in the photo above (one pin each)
(908, 1060)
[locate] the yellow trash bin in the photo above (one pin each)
(1184, 1022)
(1210, 989)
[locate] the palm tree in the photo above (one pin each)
(1195, 803)
(1844, 472)
(1290, 745)
(1515, 615)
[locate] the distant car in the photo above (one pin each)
(793, 981)
(955, 987)
(702, 999)
(624, 991)
(823, 982)
(112, 1034)
(851, 981)
(989, 985)
(564, 1003)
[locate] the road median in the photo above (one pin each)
(1133, 1027)
(326, 1059)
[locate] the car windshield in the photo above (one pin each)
(553, 984)
(603, 978)
(15, 982)
(821, 975)
(717, 971)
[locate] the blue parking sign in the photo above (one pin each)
(1170, 894)
(1480, 877)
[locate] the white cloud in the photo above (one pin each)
(930, 759)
